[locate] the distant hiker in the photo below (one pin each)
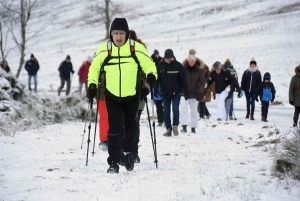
(32, 66)
(195, 76)
(65, 69)
(294, 94)
(157, 97)
(171, 76)
(83, 72)
(229, 103)
(266, 91)
(4, 66)
(250, 80)
(224, 87)
(122, 89)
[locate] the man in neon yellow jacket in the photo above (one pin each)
(122, 89)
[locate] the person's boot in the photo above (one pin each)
(103, 146)
(208, 116)
(183, 130)
(295, 122)
(113, 169)
(136, 159)
(168, 133)
(160, 123)
(230, 118)
(252, 117)
(193, 130)
(175, 130)
(262, 118)
(247, 115)
(129, 163)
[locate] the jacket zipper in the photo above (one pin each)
(120, 74)
(250, 82)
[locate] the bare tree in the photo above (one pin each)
(102, 13)
(20, 12)
(4, 51)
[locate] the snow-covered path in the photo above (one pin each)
(217, 163)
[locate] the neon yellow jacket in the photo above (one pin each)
(121, 76)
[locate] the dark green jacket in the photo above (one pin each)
(294, 92)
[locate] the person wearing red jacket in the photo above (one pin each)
(83, 72)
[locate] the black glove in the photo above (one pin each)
(151, 79)
(186, 96)
(198, 96)
(292, 102)
(257, 100)
(144, 92)
(91, 91)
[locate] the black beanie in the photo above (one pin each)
(227, 64)
(68, 57)
(267, 76)
(119, 24)
(253, 62)
(31, 56)
(156, 52)
(169, 54)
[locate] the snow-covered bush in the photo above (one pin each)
(21, 111)
(288, 160)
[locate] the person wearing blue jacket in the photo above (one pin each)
(266, 91)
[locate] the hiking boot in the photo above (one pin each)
(295, 122)
(252, 117)
(218, 119)
(136, 159)
(160, 123)
(113, 169)
(183, 130)
(247, 115)
(263, 118)
(193, 130)
(175, 130)
(208, 116)
(230, 118)
(129, 163)
(168, 133)
(103, 146)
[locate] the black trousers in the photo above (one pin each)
(135, 151)
(264, 108)
(159, 111)
(203, 109)
(296, 113)
(121, 116)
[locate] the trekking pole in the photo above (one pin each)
(149, 124)
(153, 124)
(89, 127)
(96, 121)
(86, 117)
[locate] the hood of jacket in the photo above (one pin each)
(201, 64)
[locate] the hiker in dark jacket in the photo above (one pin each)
(158, 99)
(171, 76)
(195, 77)
(223, 80)
(65, 69)
(266, 92)
(250, 80)
(294, 94)
(228, 66)
(32, 66)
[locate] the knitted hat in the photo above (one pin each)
(89, 58)
(217, 65)
(228, 59)
(156, 52)
(253, 61)
(169, 54)
(31, 56)
(227, 64)
(119, 24)
(267, 76)
(192, 56)
(68, 57)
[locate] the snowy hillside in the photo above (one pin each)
(222, 161)
(268, 30)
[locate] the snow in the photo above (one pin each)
(217, 163)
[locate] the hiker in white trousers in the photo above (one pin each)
(195, 77)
